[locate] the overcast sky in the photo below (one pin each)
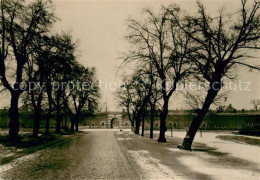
(100, 28)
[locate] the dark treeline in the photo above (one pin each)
(43, 67)
(172, 46)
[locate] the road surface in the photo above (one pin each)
(123, 155)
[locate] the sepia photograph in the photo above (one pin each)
(130, 89)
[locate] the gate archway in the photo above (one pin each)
(112, 122)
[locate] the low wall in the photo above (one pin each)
(234, 121)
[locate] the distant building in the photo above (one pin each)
(107, 120)
(230, 109)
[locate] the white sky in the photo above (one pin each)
(100, 28)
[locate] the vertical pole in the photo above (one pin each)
(200, 133)
(171, 129)
(106, 101)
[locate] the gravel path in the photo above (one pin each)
(123, 155)
(94, 155)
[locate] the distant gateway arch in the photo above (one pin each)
(112, 117)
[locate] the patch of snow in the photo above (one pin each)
(198, 165)
(124, 139)
(238, 150)
(119, 133)
(17, 161)
(91, 130)
(151, 168)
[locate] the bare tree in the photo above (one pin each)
(124, 97)
(59, 59)
(38, 69)
(64, 62)
(44, 65)
(255, 103)
(222, 43)
(135, 95)
(84, 93)
(154, 105)
(161, 42)
(20, 24)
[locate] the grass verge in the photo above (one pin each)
(29, 144)
(240, 139)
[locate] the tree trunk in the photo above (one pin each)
(129, 117)
(47, 124)
(132, 126)
(163, 116)
(151, 123)
(65, 122)
(58, 120)
(36, 125)
(77, 123)
(37, 116)
(62, 121)
(133, 123)
(77, 126)
(137, 128)
(58, 111)
(72, 124)
(142, 126)
(197, 120)
(14, 117)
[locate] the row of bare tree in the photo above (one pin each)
(40, 67)
(172, 46)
